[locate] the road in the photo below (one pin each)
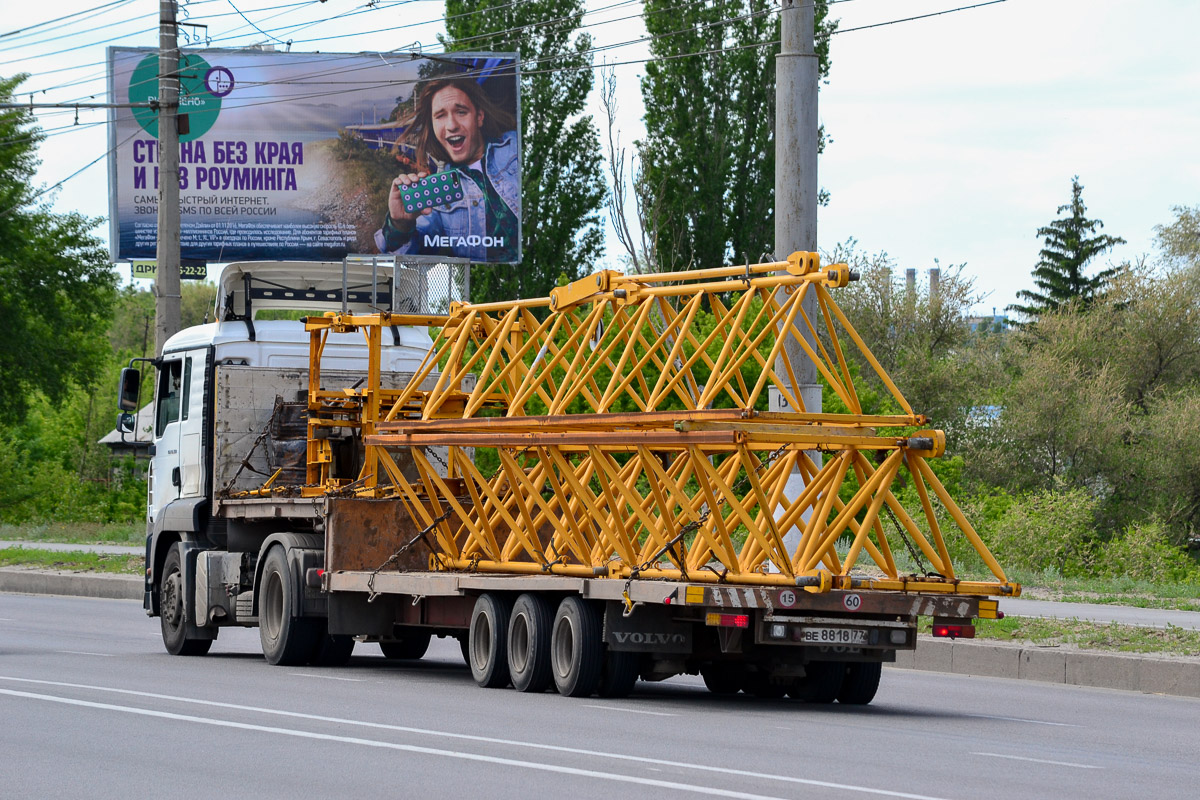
(93, 707)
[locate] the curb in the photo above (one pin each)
(1148, 674)
(71, 584)
(1016, 662)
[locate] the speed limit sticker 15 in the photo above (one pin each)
(852, 602)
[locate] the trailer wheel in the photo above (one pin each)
(287, 639)
(821, 683)
(861, 683)
(529, 644)
(763, 685)
(464, 646)
(722, 678)
(407, 647)
(488, 647)
(577, 647)
(171, 609)
(619, 673)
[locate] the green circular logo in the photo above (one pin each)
(195, 99)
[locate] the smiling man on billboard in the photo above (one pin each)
(465, 197)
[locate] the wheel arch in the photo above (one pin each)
(298, 548)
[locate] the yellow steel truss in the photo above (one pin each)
(632, 441)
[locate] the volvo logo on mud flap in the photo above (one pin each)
(649, 629)
(624, 637)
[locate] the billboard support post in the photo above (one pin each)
(796, 130)
(166, 285)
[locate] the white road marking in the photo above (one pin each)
(1040, 761)
(82, 653)
(326, 677)
(1022, 719)
(484, 739)
(406, 748)
(629, 710)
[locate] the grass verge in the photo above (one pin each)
(1098, 636)
(127, 533)
(72, 561)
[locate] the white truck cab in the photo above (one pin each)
(220, 385)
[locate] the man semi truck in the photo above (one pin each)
(616, 482)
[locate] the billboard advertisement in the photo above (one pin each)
(314, 156)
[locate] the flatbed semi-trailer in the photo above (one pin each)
(320, 480)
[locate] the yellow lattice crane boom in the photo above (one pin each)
(628, 416)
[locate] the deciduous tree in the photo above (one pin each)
(56, 284)
(562, 185)
(708, 159)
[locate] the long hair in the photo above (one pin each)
(496, 120)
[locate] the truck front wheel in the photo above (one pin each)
(287, 638)
(172, 609)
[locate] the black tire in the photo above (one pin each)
(288, 639)
(761, 684)
(577, 647)
(861, 683)
(331, 650)
(821, 683)
(488, 647)
(726, 679)
(464, 647)
(409, 646)
(529, 644)
(172, 609)
(619, 673)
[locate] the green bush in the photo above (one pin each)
(1143, 551)
(1050, 530)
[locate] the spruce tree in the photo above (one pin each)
(1071, 241)
(562, 185)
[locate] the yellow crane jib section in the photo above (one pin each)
(620, 428)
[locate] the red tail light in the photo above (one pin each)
(954, 631)
(728, 620)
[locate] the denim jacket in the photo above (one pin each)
(461, 226)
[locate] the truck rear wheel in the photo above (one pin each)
(172, 609)
(488, 647)
(529, 644)
(406, 647)
(821, 683)
(287, 639)
(577, 647)
(861, 683)
(331, 650)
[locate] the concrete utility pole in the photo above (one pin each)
(166, 283)
(796, 126)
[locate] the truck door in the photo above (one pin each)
(177, 467)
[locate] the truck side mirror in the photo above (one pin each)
(131, 382)
(125, 423)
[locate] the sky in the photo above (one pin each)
(954, 137)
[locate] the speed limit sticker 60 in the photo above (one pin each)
(853, 602)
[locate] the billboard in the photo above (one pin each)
(313, 156)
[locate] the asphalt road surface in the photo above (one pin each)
(91, 706)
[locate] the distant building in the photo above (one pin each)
(137, 443)
(996, 323)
